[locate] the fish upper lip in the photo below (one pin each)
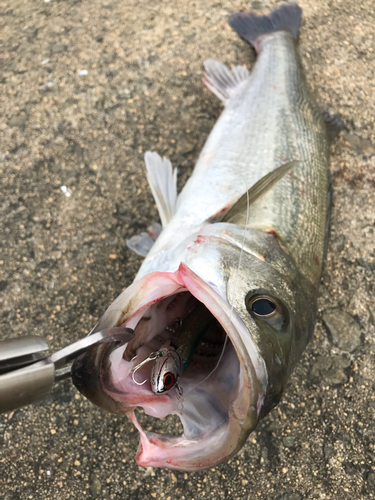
(220, 435)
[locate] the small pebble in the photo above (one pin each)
(331, 369)
(296, 495)
(18, 121)
(58, 48)
(343, 331)
(95, 485)
(288, 441)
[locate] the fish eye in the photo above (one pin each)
(263, 307)
(267, 309)
(168, 381)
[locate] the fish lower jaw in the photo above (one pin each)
(180, 453)
(207, 412)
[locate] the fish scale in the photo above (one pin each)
(271, 119)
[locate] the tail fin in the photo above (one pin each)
(250, 26)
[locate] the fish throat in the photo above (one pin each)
(192, 336)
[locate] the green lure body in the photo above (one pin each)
(192, 330)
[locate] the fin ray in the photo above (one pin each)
(257, 190)
(142, 243)
(221, 81)
(250, 26)
(162, 179)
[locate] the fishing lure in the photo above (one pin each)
(174, 357)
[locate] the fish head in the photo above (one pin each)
(275, 301)
(241, 365)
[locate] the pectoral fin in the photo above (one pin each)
(142, 243)
(256, 191)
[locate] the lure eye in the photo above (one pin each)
(168, 381)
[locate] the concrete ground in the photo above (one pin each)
(86, 88)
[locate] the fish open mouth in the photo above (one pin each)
(221, 395)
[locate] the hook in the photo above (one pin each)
(151, 357)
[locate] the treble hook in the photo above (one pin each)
(151, 357)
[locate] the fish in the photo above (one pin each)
(245, 239)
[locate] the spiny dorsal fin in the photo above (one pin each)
(162, 179)
(221, 81)
(259, 189)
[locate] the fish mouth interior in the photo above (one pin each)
(161, 323)
(210, 385)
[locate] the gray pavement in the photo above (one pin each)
(86, 88)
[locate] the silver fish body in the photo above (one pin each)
(271, 119)
(235, 238)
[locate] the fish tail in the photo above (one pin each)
(250, 26)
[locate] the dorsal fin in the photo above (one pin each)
(162, 179)
(221, 81)
(256, 191)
